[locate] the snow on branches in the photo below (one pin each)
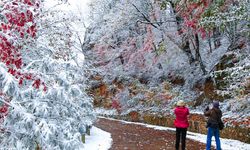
(51, 117)
(8, 88)
(17, 31)
(191, 12)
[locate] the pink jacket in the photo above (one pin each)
(181, 114)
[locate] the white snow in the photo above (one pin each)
(105, 112)
(226, 144)
(98, 140)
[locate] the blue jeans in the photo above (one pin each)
(210, 133)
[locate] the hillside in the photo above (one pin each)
(144, 64)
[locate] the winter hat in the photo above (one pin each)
(216, 104)
(181, 103)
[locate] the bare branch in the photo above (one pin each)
(156, 22)
(144, 16)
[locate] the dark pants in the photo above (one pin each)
(181, 135)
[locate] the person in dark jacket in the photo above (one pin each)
(181, 123)
(214, 116)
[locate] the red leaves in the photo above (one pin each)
(28, 2)
(16, 30)
(192, 13)
(20, 81)
(4, 107)
(44, 87)
(4, 27)
(203, 33)
(19, 18)
(191, 23)
(116, 105)
(32, 31)
(36, 83)
(18, 63)
(28, 76)
(12, 71)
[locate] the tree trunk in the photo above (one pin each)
(197, 54)
(185, 42)
(186, 48)
(216, 37)
(210, 44)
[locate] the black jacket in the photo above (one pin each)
(214, 116)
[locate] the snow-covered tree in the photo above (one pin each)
(166, 40)
(234, 79)
(204, 20)
(52, 119)
(44, 93)
(230, 18)
(116, 41)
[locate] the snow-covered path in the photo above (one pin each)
(137, 136)
(98, 140)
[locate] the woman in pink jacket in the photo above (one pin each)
(181, 123)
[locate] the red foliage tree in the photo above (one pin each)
(17, 29)
(191, 13)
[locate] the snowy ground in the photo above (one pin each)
(98, 140)
(227, 144)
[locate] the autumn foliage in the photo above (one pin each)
(16, 32)
(4, 107)
(191, 12)
(116, 105)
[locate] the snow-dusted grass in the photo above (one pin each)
(226, 144)
(98, 140)
(105, 112)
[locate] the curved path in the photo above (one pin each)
(137, 137)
